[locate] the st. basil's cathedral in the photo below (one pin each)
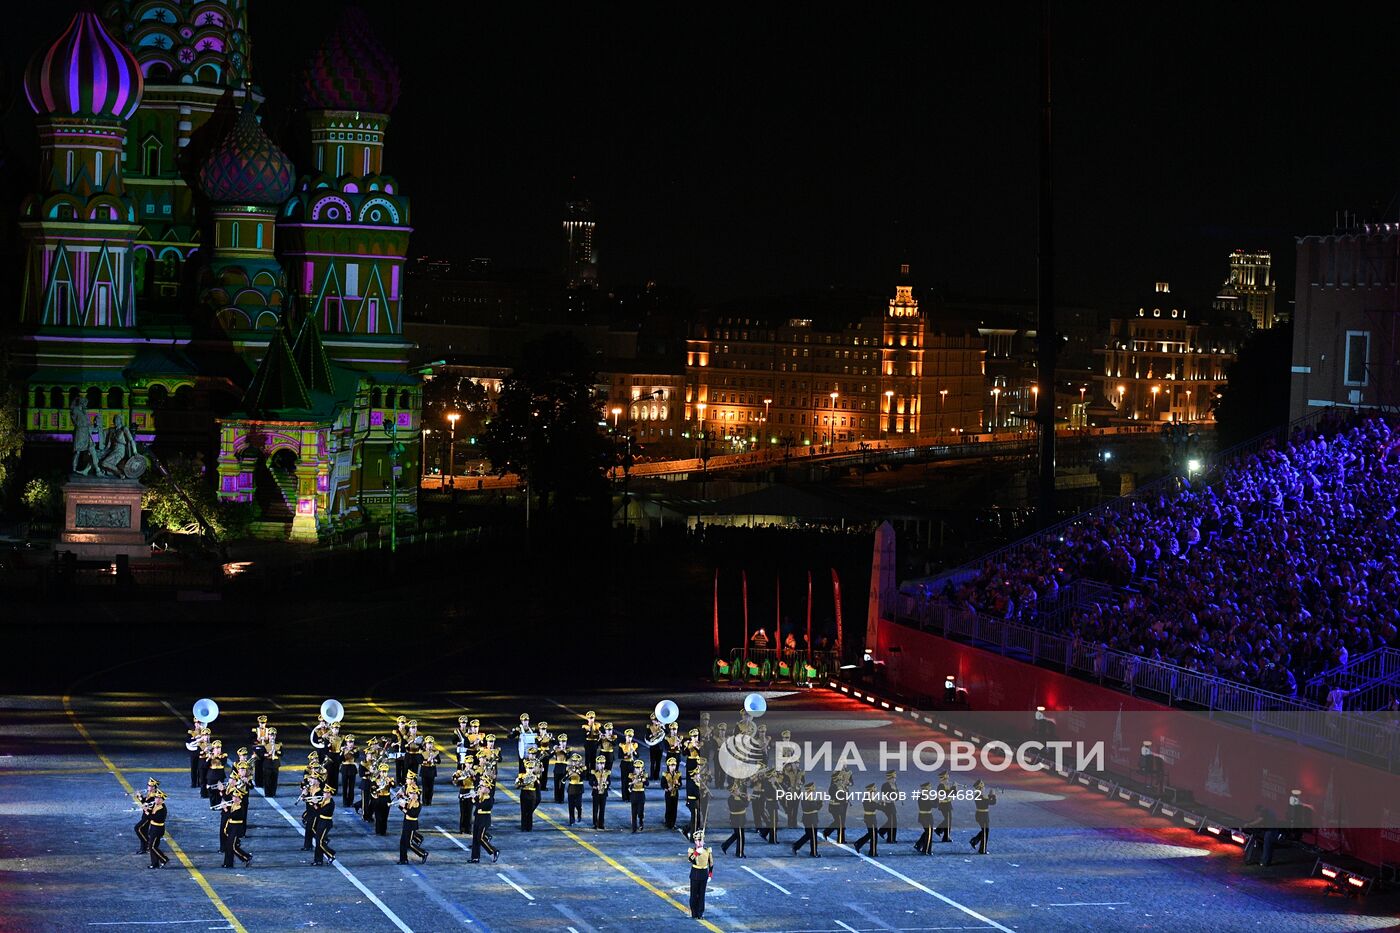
(183, 274)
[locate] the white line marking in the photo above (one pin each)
(766, 880)
(349, 875)
(453, 839)
(846, 926)
(571, 930)
(176, 713)
(927, 890)
(276, 704)
(1092, 904)
(528, 895)
(147, 923)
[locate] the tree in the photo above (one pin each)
(43, 498)
(546, 424)
(1256, 396)
(11, 432)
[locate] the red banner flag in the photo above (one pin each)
(836, 594)
(778, 623)
(809, 611)
(745, 576)
(716, 612)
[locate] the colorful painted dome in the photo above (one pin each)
(352, 71)
(86, 72)
(246, 167)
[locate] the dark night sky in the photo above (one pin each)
(736, 151)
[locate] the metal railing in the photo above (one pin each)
(1372, 740)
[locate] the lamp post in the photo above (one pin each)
(831, 429)
(700, 438)
(996, 402)
(942, 404)
(1083, 412)
(616, 412)
(1121, 390)
(888, 420)
(452, 451)
(1155, 391)
(1188, 405)
(1035, 396)
(423, 455)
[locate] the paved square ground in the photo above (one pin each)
(68, 855)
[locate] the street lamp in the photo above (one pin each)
(615, 413)
(700, 438)
(1083, 412)
(452, 451)
(831, 431)
(1121, 390)
(1188, 405)
(1035, 403)
(889, 411)
(423, 455)
(996, 402)
(942, 403)
(1155, 390)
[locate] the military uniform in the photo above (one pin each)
(347, 761)
(738, 806)
(271, 763)
(626, 755)
(155, 829)
(199, 737)
(870, 808)
(528, 782)
(215, 762)
(600, 777)
(890, 792)
(485, 803)
(634, 783)
(983, 802)
(671, 788)
(427, 772)
(234, 827)
(811, 815)
(560, 760)
(945, 792)
(409, 837)
(574, 780)
(592, 732)
(838, 805)
(382, 797)
(702, 868)
(926, 803)
(143, 824)
(656, 735)
(322, 819)
(465, 782)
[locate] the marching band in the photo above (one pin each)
(399, 769)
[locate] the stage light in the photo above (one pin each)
(1214, 830)
(857, 694)
(884, 704)
(1329, 873)
(1239, 839)
(899, 709)
(1355, 881)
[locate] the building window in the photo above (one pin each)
(1358, 355)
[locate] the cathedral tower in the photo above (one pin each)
(79, 224)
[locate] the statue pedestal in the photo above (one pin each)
(102, 518)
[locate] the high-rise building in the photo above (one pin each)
(580, 251)
(1344, 326)
(796, 380)
(1249, 287)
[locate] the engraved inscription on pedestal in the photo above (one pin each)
(90, 515)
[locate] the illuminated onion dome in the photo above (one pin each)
(352, 71)
(246, 167)
(85, 73)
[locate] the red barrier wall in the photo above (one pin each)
(1227, 769)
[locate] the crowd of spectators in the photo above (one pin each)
(1283, 566)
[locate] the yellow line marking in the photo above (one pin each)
(174, 846)
(590, 847)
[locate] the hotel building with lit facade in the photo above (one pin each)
(786, 378)
(1161, 364)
